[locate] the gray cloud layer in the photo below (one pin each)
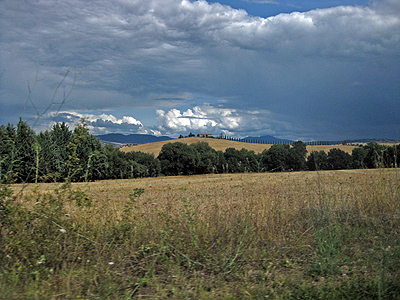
(329, 72)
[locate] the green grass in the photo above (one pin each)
(308, 235)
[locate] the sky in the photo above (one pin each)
(302, 70)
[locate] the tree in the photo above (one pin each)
(339, 159)
(207, 158)
(275, 159)
(97, 165)
(117, 163)
(391, 156)
(234, 160)
(151, 165)
(221, 165)
(7, 152)
(60, 136)
(54, 152)
(251, 160)
(374, 156)
(178, 159)
(85, 154)
(46, 167)
(317, 160)
(297, 156)
(359, 154)
(25, 153)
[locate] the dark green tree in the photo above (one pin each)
(46, 159)
(234, 161)
(118, 164)
(358, 155)
(221, 165)
(54, 152)
(151, 165)
(7, 152)
(374, 156)
(25, 153)
(61, 136)
(97, 165)
(297, 156)
(178, 159)
(391, 156)
(339, 159)
(275, 159)
(207, 162)
(317, 160)
(137, 170)
(251, 160)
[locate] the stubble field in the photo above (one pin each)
(303, 235)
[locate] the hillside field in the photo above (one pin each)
(299, 235)
(221, 144)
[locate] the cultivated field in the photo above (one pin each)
(220, 144)
(303, 235)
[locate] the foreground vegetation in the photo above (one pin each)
(299, 235)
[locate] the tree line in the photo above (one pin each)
(271, 142)
(61, 154)
(257, 141)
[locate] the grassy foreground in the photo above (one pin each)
(306, 235)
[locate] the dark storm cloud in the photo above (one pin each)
(331, 72)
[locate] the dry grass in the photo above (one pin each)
(326, 148)
(231, 236)
(220, 144)
(273, 200)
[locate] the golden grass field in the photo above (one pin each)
(298, 235)
(265, 195)
(220, 144)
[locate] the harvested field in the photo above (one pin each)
(231, 236)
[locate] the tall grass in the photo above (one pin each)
(307, 235)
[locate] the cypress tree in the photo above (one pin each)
(60, 136)
(7, 152)
(25, 153)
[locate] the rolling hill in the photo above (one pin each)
(221, 144)
(267, 138)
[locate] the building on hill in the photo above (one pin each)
(205, 135)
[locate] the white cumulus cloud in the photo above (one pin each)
(216, 120)
(100, 124)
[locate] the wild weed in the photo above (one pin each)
(281, 236)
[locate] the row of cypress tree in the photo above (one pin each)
(62, 154)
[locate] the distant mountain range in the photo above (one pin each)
(138, 139)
